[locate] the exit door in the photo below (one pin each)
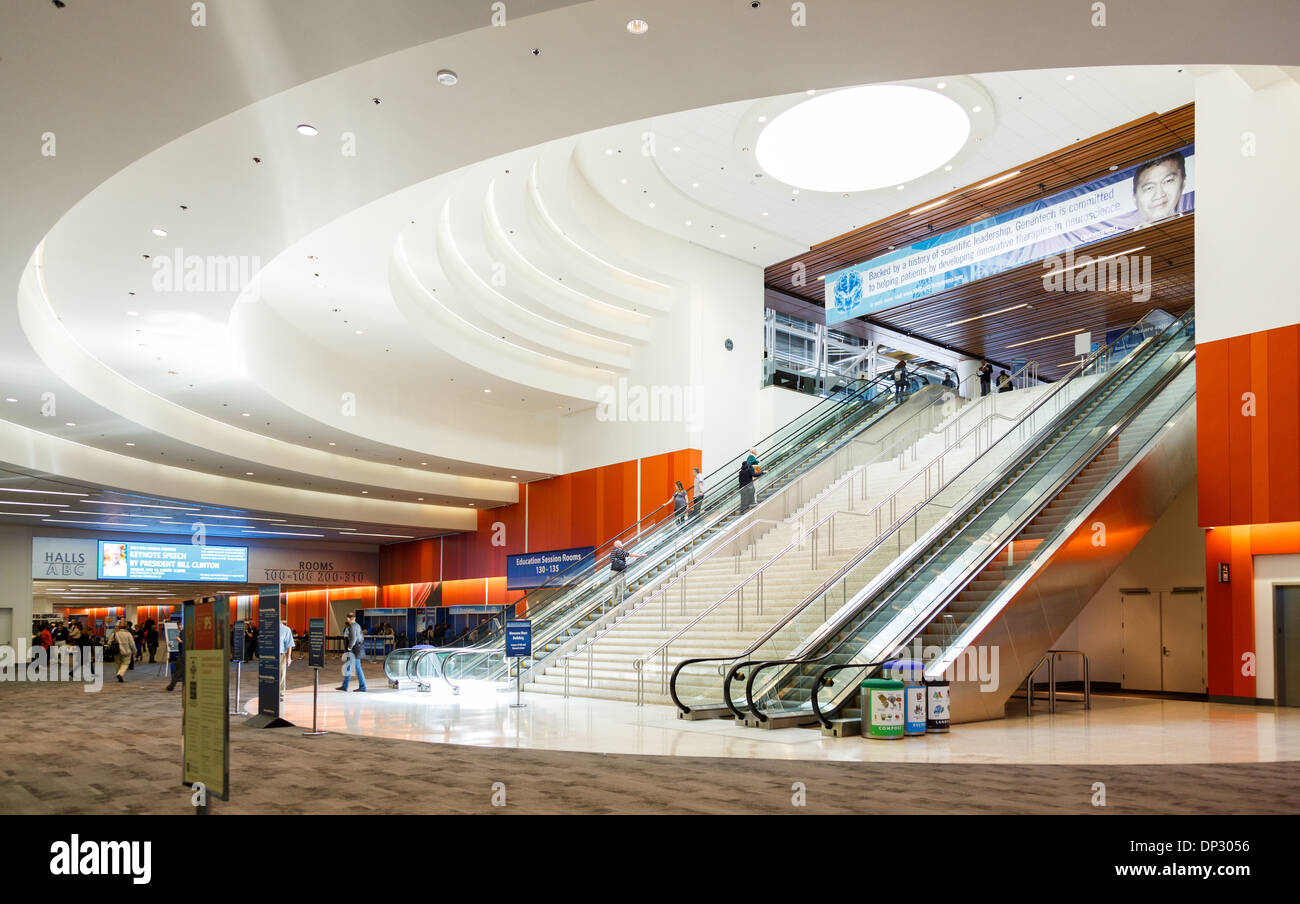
(1286, 627)
(1164, 641)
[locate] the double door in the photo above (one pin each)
(1164, 640)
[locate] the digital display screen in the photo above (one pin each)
(171, 562)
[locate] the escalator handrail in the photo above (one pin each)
(885, 578)
(825, 720)
(996, 546)
(656, 518)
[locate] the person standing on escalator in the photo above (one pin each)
(618, 557)
(746, 486)
(899, 376)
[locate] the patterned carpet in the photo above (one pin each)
(66, 751)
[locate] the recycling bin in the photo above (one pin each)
(882, 708)
(938, 710)
(916, 708)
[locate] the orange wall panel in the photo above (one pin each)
(1248, 466)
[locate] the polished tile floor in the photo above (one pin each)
(1118, 730)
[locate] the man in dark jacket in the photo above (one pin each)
(986, 377)
(746, 486)
(618, 557)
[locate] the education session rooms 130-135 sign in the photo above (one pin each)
(171, 562)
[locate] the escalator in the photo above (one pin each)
(570, 600)
(950, 587)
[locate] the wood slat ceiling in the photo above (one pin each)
(1169, 244)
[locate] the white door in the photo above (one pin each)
(1182, 641)
(1141, 626)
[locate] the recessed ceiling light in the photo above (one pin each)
(10, 400)
(487, 390)
(419, 499)
(762, 119)
(304, 129)
(811, 91)
(514, 477)
(688, 222)
(133, 313)
(995, 180)
(652, 203)
(794, 191)
(609, 152)
(976, 109)
(130, 444)
(1045, 338)
(422, 464)
(624, 181)
(471, 505)
(695, 185)
(333, 444)
(161, 233)
(676, 148)
(638, 26)
(1069, 78)
(365, 492)
(69, 424)
(722, 236)
(360, 333)
(245, 414)
(447, 78)
(249, 473)
(948, 168)
(941, 85)
(765, 213)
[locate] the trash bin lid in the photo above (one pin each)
(884, 684)
(904, 669)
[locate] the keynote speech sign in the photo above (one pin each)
(1119, 202)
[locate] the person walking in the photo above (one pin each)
(353, 646)
(151, 638)
(618, 557)
(697, 494)
(286, 652)
(746, 486)
(679, 503)
(986, 377)
(125, 651)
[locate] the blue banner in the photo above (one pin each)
(519, 637)
(171, 562)
(533, 569)
(1123, 201)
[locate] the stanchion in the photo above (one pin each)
(315, 692)
(519, 685)
(239, 669)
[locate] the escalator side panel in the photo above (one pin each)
(1048, 604)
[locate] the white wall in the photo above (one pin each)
(1245, 265)
(16, 577)
(1269, 570)
(1172, 554)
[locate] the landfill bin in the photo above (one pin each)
(882, 708)
(938, 708)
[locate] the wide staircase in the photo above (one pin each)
(727, 597)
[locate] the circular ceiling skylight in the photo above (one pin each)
(863, 138)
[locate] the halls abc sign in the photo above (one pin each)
(58, 558)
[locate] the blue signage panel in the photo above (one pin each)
(519, 637)
(119, 561)
(1123, 201)
(268, 650)
(533, 569)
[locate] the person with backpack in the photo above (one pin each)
(353, 646)
(746, 486)
(618, 557)
(1004, 382)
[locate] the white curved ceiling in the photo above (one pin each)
(324, 383)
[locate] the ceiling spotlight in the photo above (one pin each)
(308, 130)
(695, 185)
(447, 78)
(360, 333)
(133, 313)
(652, 203)
(161, 233)
(69, 424)
(901, 187)
(1069, 78)
(10, 400)
(609, 152)
(948, 168)
(248, 473)
(811, 91)
(762, 119)
(688, 222)
(765, 213)
(487, 390)
(677, 149)
(941, 85)
(638, 26)
(977, 108)
(130, 444)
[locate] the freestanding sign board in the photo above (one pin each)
(237, 644)
(519, 643)
(205, 722)
(268, 659)
(316, 643)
